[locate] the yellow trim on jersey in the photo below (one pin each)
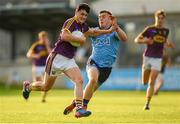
(33, 46)
(65, 29)
(151, 26)
(70, 22)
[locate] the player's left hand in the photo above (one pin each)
(114, 23)
(169, 44)
(47, 42)
(112, 28)
(114, 20)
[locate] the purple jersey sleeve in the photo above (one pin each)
(148, 32)
(69, 25)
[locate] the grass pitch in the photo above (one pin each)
(106, 106)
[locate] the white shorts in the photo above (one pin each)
(38, 70)
(57, 64)
(152, 63)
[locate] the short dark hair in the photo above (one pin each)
(105, 11)
(83, 6)
(160, 12)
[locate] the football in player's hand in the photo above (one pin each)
(77, 34)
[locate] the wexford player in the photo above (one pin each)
(39, 52)
(61, 58)
(104, 54)
(155, 37)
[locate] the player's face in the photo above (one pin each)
(42, 38)
(160, 19)
(81, 16)
(104, 20)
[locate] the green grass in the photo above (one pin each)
(106, 106)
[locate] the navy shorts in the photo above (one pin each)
(104, 72)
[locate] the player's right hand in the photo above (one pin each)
(83, 40)
(148, 41)
(37, 56)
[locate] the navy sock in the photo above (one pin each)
(85, 102)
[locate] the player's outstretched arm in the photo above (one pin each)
(30, 54)
(121, 34)
(143, 40)
(97, 32)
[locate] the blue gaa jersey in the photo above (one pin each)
(104, 49)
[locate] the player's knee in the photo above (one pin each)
(78, 81)
(144, 83)
(151, 84)
(92, 80)
(45, 88)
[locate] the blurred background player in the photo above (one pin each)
(155, 37)
(39, 52)
(104, 54)
(61, 59)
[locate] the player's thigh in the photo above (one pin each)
(38, 78)
(160, 78)
(155, 68)
(153, 75)
(48, 81)
(145, 74)
(146, 69)
(74, 74)
(93, 74)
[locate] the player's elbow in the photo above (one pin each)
(136, 40)
(28, 55)
(125, 39)
(64, 37)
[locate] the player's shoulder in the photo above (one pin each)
(70, 20)
(36, 43)
(69, 23)
(154, 27)
(150, 26)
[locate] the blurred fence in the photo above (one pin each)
(15, 75)
(120, 78)
(130, 79)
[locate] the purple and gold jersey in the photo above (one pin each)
(65, 48)
(159, 36)
(39, 48)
